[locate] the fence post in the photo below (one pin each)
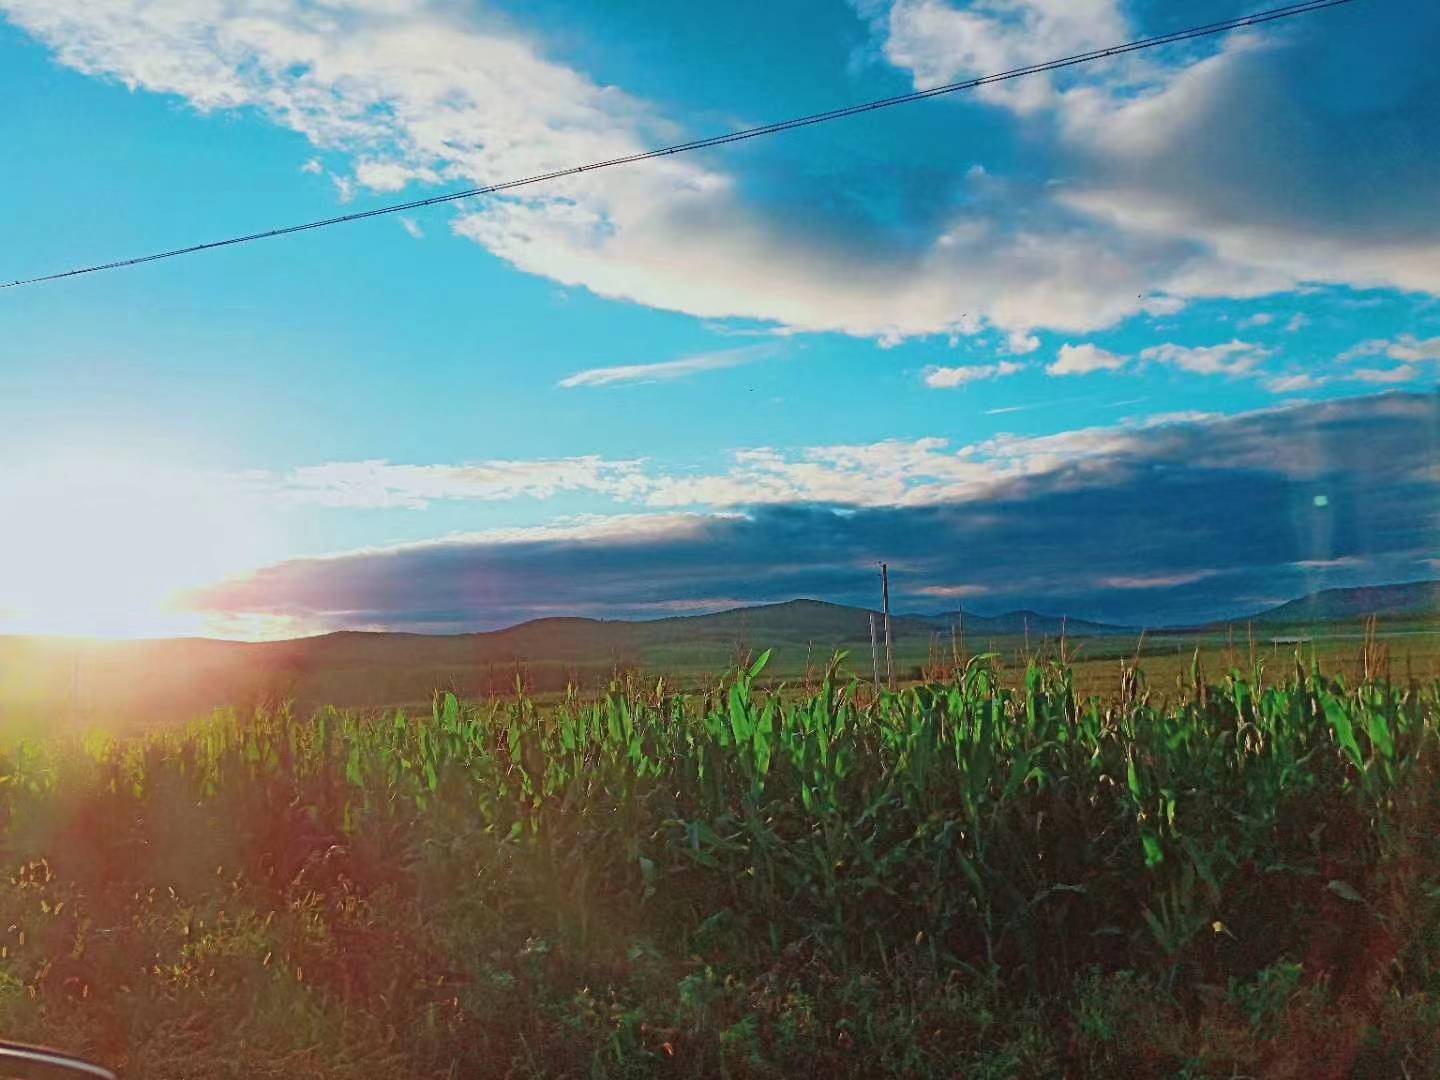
(889, 649)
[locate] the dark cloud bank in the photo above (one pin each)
(1192, 521)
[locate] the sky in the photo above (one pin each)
(1150, 340)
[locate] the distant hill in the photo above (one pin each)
(1033, 623)
(135, 684)
(1407, 600)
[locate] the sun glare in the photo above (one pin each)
(95, 546)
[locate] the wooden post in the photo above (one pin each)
(874, 655)
(889, 650)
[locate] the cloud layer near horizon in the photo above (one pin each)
(1189, 520)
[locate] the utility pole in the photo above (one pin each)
(889, 650)
(874, 655)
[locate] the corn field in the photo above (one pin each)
(956, 879)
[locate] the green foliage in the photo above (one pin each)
(1007, 881)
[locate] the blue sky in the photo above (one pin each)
(861, 330)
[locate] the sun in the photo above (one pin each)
(97, 545)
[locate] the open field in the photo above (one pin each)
(135, 686)
(962, 878)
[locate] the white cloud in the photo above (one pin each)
(1139, 135)
(1373, 347)
(916, 472)
(940, 43)
(1021, 343)
(1384, 376)
(1156, 581)
(1232, 358)
(1407, 348)
(1084, 358)
(669, 369)
(949, 378)
(344, 187)
(411, 226)
(418, 91)
(892, 472)
(1410, 349)
(381, 484)
(1297, 322)
(1345, 562)
(313, 167)
(1290, 384)
(1150, 168)
(953, 592)
(1263, 318)
(921, 472)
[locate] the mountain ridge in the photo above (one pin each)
(1393, 600)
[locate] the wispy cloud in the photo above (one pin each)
(1231, 358)
(1384, 376)
(897, 473)
(1407, 348)
(344, 187)
(1373, 347)
(952, 592)
(1292, 384)
(1005, 410)
(949, 378)
(1156, 581)
(381, 484)
(411, 226)
(670, 369)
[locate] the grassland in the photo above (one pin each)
(974, 876)
(131, 687)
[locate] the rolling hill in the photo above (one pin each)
(139, 683)
(136, 684)
(1411, 599)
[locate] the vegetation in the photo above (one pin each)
(959, 878)
(80, 684)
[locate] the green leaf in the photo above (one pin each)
(760, 662)
(352, 768)
(971, 873)
(1344, 730)
(1154, 853)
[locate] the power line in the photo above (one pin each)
(1175, 37)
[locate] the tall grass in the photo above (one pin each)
(959, 877)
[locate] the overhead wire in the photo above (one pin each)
(1154, 41)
